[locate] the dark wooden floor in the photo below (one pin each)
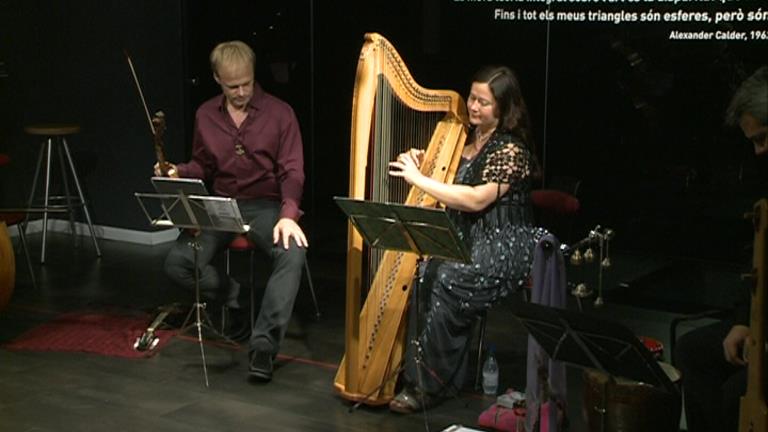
(44, 391)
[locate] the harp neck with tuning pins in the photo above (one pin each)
(391, 113)
(753, 410)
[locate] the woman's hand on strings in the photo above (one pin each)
(407, 165)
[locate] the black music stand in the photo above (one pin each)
(422, 231)
(592, 343)
(195, 212)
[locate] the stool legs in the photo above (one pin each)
(67, 197)
(82, 198)
(311, 288)
(67, 167)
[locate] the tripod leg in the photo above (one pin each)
(199, 325)
(391, 376)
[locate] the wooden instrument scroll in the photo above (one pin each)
(390, 114)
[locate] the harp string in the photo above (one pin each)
(396, 129)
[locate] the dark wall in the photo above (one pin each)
(636, 117)
(65, 63)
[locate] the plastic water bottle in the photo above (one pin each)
(491, 373)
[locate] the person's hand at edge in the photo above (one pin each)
(287, 228)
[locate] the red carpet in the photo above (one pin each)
(97, 333)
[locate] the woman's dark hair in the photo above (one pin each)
(510, 105)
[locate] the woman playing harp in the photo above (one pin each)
(489, 203)
(390, 114)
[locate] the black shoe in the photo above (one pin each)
(260, 365)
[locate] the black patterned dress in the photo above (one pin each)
(451, 294)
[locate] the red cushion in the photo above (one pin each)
(555, 201)
(4, 159)
(241, 242)
(12, 219)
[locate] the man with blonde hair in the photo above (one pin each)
(247, 144)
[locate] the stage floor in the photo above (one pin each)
(55, 391)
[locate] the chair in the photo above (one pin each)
(556, 211)
(241, 243)
(55, 140)
(482, 323)
(526, 292)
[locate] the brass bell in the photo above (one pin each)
(599, 301)
(606, 262)
(589, 255)
(581, 291)
(576, 258)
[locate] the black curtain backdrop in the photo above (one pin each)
(635, 116)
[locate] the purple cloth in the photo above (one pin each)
(272, 165)
(545, 379)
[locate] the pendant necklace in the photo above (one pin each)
(481, 138)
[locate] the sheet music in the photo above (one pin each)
(194, 211)
(223, 212)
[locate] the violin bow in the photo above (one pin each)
(159, 118)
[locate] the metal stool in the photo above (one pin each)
(242, 243)
(54, 136)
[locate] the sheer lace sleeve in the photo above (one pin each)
(507, 164)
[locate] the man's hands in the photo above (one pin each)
(285, 228)
(172, 171)
(733, 344)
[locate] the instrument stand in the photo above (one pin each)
(202, 320)
(149, 340)
(423, 231)
(591, 343)
(196, 212)
(417, 357)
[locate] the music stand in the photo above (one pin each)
(195, 212)
(592, 343)
(422, 231)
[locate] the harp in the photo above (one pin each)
(390, 114)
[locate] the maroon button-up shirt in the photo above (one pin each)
(271, 165)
